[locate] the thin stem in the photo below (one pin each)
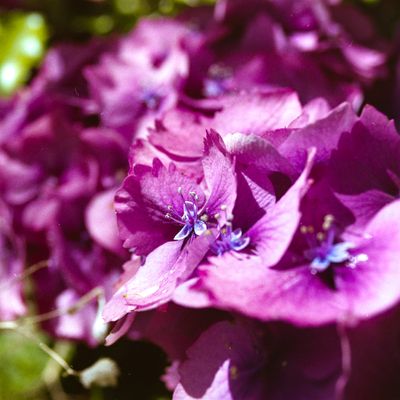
(346, 360)
(50, 352)
(29, 271)
(87, 298)
(11, 325)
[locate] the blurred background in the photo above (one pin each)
(27, 29)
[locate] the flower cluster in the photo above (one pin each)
(217, 178)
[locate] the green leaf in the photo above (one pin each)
(22, 38)
(22, 363)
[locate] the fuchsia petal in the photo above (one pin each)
(101, 221)
(258, 112)
(155, 281)
(323, 134)
(219, 175)
(272, 234)
(246, 360)
(301, 297)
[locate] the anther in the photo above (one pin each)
(320, 236)
(328, 220)
(194, 195)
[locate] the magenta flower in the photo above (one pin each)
(328, 273)
(291, 44)
(164, 214)
(143, 77)
(371, 152)
(12, 259)
(244, 360)
(157, 204)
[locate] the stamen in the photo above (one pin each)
(180, 192)
(173, 218)
(193, 223)
(229, 240)
(324, 250)
(328, 220)
(354, 260)
(194, 196)
(320, 236)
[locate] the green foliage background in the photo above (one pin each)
(21, 367)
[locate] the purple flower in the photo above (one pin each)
(59, 85)
(370, 150)
(373, 351)
(173, 328)
(273, 114)
(101, 222)
(56, 169)
(269, 232)
(332, 45)
(156, 204)
(12, 259)
(164, 215)
(142, 78)
(77, 265)
(244, 360)
(327, 273)
(229, 240)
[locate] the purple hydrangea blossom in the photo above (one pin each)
(152, 196)
(244, 360)
(12, 259)
(51, 170)
(142, 78)
(327, 274)
(285, 214)
(371, 152)
(302, 41)
(156, 204)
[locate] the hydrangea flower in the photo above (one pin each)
(370, 151)
(142, 78)
(12, 259)
(163, 215)
(327, 274)
(326, 43)
(244, 360)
